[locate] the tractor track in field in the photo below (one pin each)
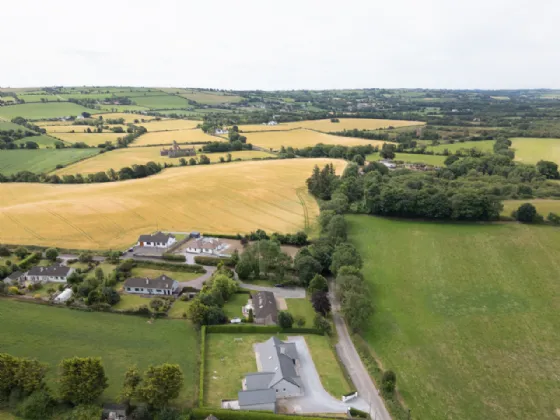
(305, 209)
(66, 221)
(21, 225)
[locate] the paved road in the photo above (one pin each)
(354, 366)
(316, 399)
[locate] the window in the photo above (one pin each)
(158, 290)
(128, 288)
(136, 289)
(284, 389)
(276, 390)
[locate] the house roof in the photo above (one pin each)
(156, 237)
(258, 380)
(264, 304)
(161, 282)
(279, 358)
(15, 275)
(53, 270)
(258, 396)
(211, 417)
(206, 243)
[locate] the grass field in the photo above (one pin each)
(302, 307)
(40, 160)
(180, 136)
(170, 124)
(466, 315)
(128, 117)
(123, 108)
(543, 206)
(131, 302)
(91, 139)
(178, 309)
(232, 308)
(328, 127)
(161, 102)
(208, 98)
(67, 128)
(42, 111)
(175, 275)
(7, 125)
(51, 334)
(274, 140)
(435, 160)
(483, 145)
(531, 150)
(43, 141)
(238, 197)
(120, 158)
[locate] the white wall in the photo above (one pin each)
(169, 242)
(260, 407)
(48, 279)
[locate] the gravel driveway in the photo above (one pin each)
(316, 399)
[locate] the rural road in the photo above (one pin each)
(354, 366)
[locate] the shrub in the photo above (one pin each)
(174, 257)
(299, 320)
(526, 213)
(4, 251)
(553, 218)
(285, 319)
(222, 414)
(37, 406)
(388, 382)
(354, 412)
(213, 261)
(322, 324)
(13, 290)
(37, 296)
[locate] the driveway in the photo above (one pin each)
(283, 292)
(316, 399)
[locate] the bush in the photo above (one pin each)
(322, 324)
(285, 319)
(526, 213)
(299, 320)
(174, 257)
(553, 218)
(388, 382)
(213, 261)
(37, 406)
(354, 412)
(4, 251)
(30, 260)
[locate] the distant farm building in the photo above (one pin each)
(176, 151)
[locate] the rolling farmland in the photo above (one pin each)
(91, 139)
(161, 102)
(303, 138)
(119, 158)
(328, 126)
(208, 98)
(270, 195)
(169, 124)
(180, 136)
(71, 128)
(483, 146)
(531, 150)
(40, 111)
(128, 117)
(435, 160)
(40, 160)
(543, 206)
(466, 315)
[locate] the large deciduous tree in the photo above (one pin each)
(321, 303)
(160, 385)
(82, 379)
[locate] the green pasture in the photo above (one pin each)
(43, 141)
(38, 111)
(161, 102)
(40, 160)
(483, 145)
(465, 314)
(531, 150)
(435, 160)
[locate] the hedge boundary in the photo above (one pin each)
(213, 261)
(202, 366)
(222, 414)
(187, 268)
(258, 329)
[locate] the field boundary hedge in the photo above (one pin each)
(213, 261)
(202, 366)
(186, 268)
(222, 414)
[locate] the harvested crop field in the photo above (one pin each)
(91, 139)
(327, 126)
(119, 158)
(465, 314)
(170, 124)
(229, 198)
(39, 160)
(274, 140)
(531, 150)
(180, 136)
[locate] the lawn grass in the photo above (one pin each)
(302, 307)
(435, 160)
(329, 369)
(130, 301)
(543, 206)
(178, 309)
(38, 111)
(51, 334)
(531, 150)
(43, 141)
(153, 273)
(465, 314)
(232, 307)
(40, 160)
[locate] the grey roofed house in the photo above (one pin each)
(265, 310)
(161, 282)
(53, 270)
(256, 397)
(280, 358)
(14, 277)
(158, 237)
(258, 380)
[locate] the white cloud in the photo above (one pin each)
(259, 44)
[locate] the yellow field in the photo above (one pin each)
(328, 126)
(303, 138)
(237, 197)
(119, 158)
(91, 139)
(55, 123)
(531, 150)
(180, 136)
(170, 125)
(543, 206)
(128, 118)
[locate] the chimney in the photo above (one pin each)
(147, 280)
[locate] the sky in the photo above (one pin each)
(260, 44)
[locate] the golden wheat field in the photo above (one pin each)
(78, 128)
(119, 158)
(229, 198)
(46, 124)
(328, 126)
(302, 138)
(170, 124)
(180, 136)
(91, 139)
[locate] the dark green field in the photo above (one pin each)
(40, 160)
(50, 334)
(466, 315)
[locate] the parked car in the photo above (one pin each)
(279, 285)
(130, 249)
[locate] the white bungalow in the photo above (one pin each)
(211, 246)
(162, 285)
(54, 273)
(158, 240)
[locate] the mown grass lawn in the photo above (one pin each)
(232, 308)
(153, 273)
(465, 314)
(178, 309)
(51, 334)
(129, 301)
(302, 307)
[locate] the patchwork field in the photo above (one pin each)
(71, 128)
(180, 136)
(531, 150)
(170, 124)
(123, 108)
(208, 98)
(43, 141)
(328, 126)
(91, 139)
(466, 315)
(121, 341)
(483, 146)
(302, 138)
(128, 117)
(7, 125)
(40, 111)
(119, 158)
(241, 197)
(39, 160)
(161, 102)
(543, 206)
(435, 160)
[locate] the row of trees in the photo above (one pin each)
(217, 146)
